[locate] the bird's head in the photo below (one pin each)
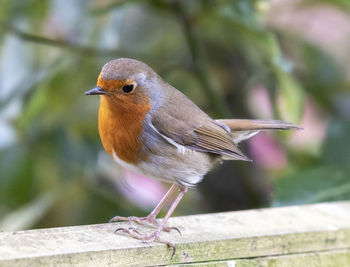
(124, 81)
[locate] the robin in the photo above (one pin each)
(148, 126)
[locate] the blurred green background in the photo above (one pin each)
(281, 59)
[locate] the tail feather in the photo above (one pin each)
(244, 129)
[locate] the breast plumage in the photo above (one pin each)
(120, 126)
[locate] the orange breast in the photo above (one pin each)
(120, 122)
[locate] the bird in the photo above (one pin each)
(149, 127)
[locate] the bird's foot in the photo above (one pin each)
(144, 221)
(139, 220)
(155, 236)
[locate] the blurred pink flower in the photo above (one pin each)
(259, 102)
(266, 152)
(324, 25)
(314, 124)
(143, 191)
(315, 127)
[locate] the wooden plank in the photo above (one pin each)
(207, 237)
(335, 258)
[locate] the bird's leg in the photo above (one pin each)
(151, 218)
(155, 236)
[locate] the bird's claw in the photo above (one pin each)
(139, 220)
(168, 229)
(144, 221)
(127, 230)
(155, 236)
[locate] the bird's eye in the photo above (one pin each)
(128, 88)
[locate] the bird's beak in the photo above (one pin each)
(96, 91)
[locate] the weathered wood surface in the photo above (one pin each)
(311, 235)
(337, 258)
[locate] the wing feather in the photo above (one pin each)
(204, 136)
(242, 129)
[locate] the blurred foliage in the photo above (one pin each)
(326, 179)
(215, 52)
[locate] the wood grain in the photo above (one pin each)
(287, 236)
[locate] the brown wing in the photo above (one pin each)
(194, 129)
(212, 138)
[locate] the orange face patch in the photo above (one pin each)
(110, 85)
